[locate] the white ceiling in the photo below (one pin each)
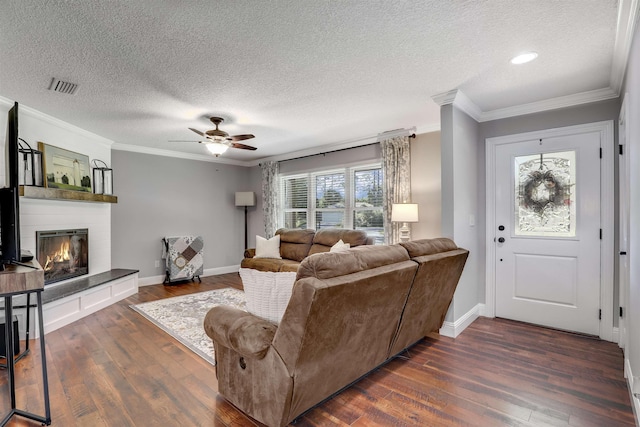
(301, 75)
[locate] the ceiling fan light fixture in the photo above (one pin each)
(523, 58)
(217, 148)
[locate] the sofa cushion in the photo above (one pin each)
(294, 243)
(268, 248)
(267, 293)
(325, 238)
(423, 247)
(262, 264)
(333, 264)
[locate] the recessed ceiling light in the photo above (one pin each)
(524, 58)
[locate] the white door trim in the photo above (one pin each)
(607, 214)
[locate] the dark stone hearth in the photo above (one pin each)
(57, 292)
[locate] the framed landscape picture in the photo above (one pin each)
(65, 169)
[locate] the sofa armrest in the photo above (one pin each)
(250, 253)
(238, 330)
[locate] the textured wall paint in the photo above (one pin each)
(632, 95)
(326, 161)
(161, 196)
(426, 185)
(465, 208)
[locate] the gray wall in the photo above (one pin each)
(162, 196)
(459, 139)
(632, 97)
(255, 215)
(325, 161)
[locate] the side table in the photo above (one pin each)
(18, 279)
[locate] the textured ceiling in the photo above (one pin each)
(296, 73)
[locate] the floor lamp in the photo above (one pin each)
(404, 213)
(246, 199)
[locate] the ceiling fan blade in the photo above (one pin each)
(242, 146)
(241, 137)
(182, 140)
(198, 132)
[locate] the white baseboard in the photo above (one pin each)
(157, 280)
(615, 335)
(635, 401)
(453, 329)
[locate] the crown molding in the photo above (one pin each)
(56, 122)
(628, 13)
(457, 98)
(445, 98)
(178, 154)
(549, 104)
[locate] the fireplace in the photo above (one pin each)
(63, 253)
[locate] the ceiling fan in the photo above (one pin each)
(218, 141)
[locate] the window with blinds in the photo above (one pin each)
(344, 198)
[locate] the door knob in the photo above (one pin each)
(501, 239)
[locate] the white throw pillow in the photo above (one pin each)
(267, 292)
(268, 248)
(340, 246)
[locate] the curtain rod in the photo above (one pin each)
(413, 135)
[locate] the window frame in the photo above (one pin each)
(311, 210)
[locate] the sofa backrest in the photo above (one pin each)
(440, 264)
(343, 314)
(327, 237)
(295, 243)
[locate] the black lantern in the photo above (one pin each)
(29, 165)
(102, 178)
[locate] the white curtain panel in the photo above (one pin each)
(270, 197)
(396, 169)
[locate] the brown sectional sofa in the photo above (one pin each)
(297, 244)
(349, 313)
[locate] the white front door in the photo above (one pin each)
(548, 231)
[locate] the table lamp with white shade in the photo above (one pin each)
(404, 213)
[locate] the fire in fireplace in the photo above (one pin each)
(63, 253)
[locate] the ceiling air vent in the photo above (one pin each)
(62, 87)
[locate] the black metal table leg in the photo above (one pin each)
(8, 303)
(8, 330)
(43, 355)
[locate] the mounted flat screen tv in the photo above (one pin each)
(9, 197)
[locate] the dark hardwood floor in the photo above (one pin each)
(115, 368)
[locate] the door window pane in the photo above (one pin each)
(545, 194)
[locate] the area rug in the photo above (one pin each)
(182, 317)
